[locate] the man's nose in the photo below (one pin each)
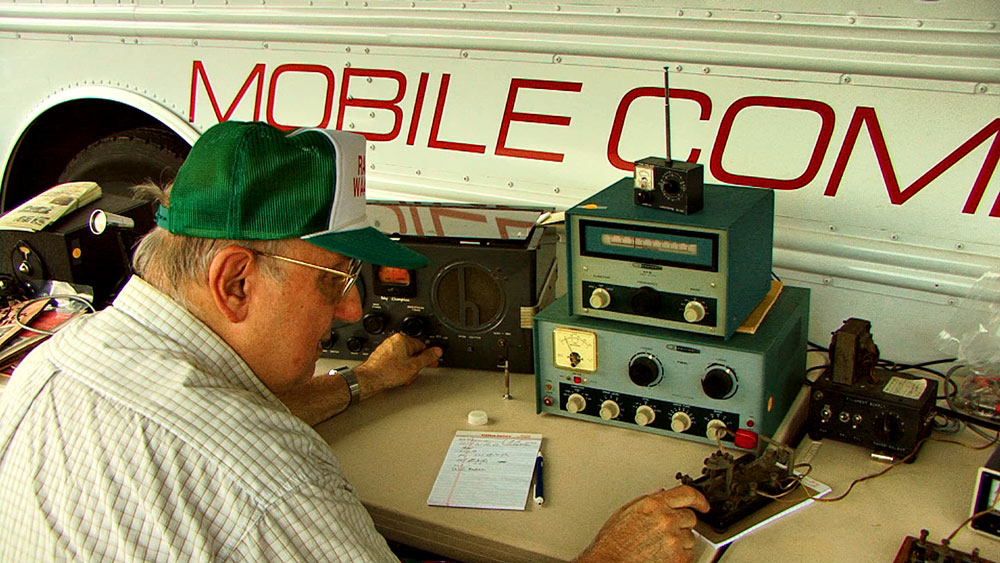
(349, 307)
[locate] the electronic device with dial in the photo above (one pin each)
(669, 382)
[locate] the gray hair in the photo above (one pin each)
(170, 262)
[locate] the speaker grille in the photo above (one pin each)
(468, 298)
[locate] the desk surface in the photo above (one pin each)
(392, 445)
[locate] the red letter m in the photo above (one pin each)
(866, 116)
(257, 74)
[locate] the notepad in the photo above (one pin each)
(486, 470)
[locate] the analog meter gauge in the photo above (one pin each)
(574, 349)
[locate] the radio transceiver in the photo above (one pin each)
(489, 268)
(668, 184)
(673, 383)
(702, 273)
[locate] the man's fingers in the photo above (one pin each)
(685, 496)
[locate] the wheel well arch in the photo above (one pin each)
(57, 134)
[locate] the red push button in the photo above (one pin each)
(745, 439)
(577, 379)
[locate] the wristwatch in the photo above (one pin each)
(352, 382)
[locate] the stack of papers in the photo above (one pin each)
(47, 207)
(487, 470)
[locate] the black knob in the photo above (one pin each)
(414, 326)
(644, 371)
(719, 382)
(331, 340)
(355, 344)
(671, 186)
(645, 301)
(374, 323)
(642, 196)
(888, 428)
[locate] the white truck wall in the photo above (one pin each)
(879, 128)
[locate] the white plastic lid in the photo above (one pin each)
(477, 418)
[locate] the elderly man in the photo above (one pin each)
(175, 424)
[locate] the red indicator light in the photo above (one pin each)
(577, 379)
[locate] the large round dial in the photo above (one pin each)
(646, 301)
(671, 185)
(574, 349)
(719, 382)
(644, 370)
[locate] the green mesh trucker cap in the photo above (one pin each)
(251, 181)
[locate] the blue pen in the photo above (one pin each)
(539, 494)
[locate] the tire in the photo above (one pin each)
(118, 162)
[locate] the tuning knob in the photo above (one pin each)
(355, 344)
(646, 301)
(644, 370)
(374, 323)
(719, 382)
(888, 428)
(414, 326)
(694, 311)
(575, 403)
(609, 410)
(600, 298)
(680, 422)
(644, 415)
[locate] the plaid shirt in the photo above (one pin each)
(137, 434)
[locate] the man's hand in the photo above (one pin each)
(653, 527)
(396, 361)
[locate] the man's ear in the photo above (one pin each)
(230, 281)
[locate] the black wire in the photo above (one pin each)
(969, 418)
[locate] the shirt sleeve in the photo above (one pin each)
(321, 521)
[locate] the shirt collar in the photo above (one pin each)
(153, 308)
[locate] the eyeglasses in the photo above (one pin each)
(351, 275)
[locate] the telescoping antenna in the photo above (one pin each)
(665, 184)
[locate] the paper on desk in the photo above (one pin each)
(487, 470)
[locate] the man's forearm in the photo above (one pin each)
(321, 398)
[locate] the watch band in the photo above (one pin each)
(352, 383)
